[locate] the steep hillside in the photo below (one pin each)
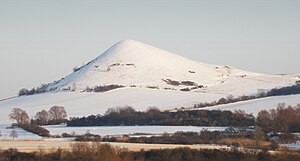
(131, 63)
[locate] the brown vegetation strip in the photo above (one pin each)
(36, 145)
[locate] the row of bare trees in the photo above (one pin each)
(41, 89)
(289, 90)
(54, 115)
(284, 119)
(280, 123)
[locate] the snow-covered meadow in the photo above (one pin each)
(102, 131)
(78, 104)
(256, 105)
(127, 130)
(292, 146)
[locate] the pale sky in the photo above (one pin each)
(41, 41)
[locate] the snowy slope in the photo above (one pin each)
(87, 103)
(255, 106)
(131, 63)
(84, 104)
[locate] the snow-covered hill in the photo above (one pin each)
(132, 63)
(138, 67)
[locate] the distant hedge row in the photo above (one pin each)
(153, 116)
(295, 89)
(290, 90)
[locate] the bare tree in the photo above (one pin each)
(230, 98)
(259, 135)
(76, 68)
(265, 120)
(23, 92)
(42, 117)
(57, 113)
(261, 93)
(19, 115)
(153, 110)
(73, 87)
(13, 133)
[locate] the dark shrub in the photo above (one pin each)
(152, 87)
(172, 82)
(106, 88)
(188, 83)
(185, 89)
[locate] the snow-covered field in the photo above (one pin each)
(123, 130)
(80, 104)
(293, 146)
(254, 106)
(21, 134)
(101, 130)
(84, 104)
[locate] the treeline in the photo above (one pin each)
(128, 116)
(295, 89)
(284, 119)
(103, 88)
(236, 137)
(55, 115)
(187, 138)
(37, 90)
(43, 88)
(290, 90)
(231, 137)
(104, 152)
(228, 99)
